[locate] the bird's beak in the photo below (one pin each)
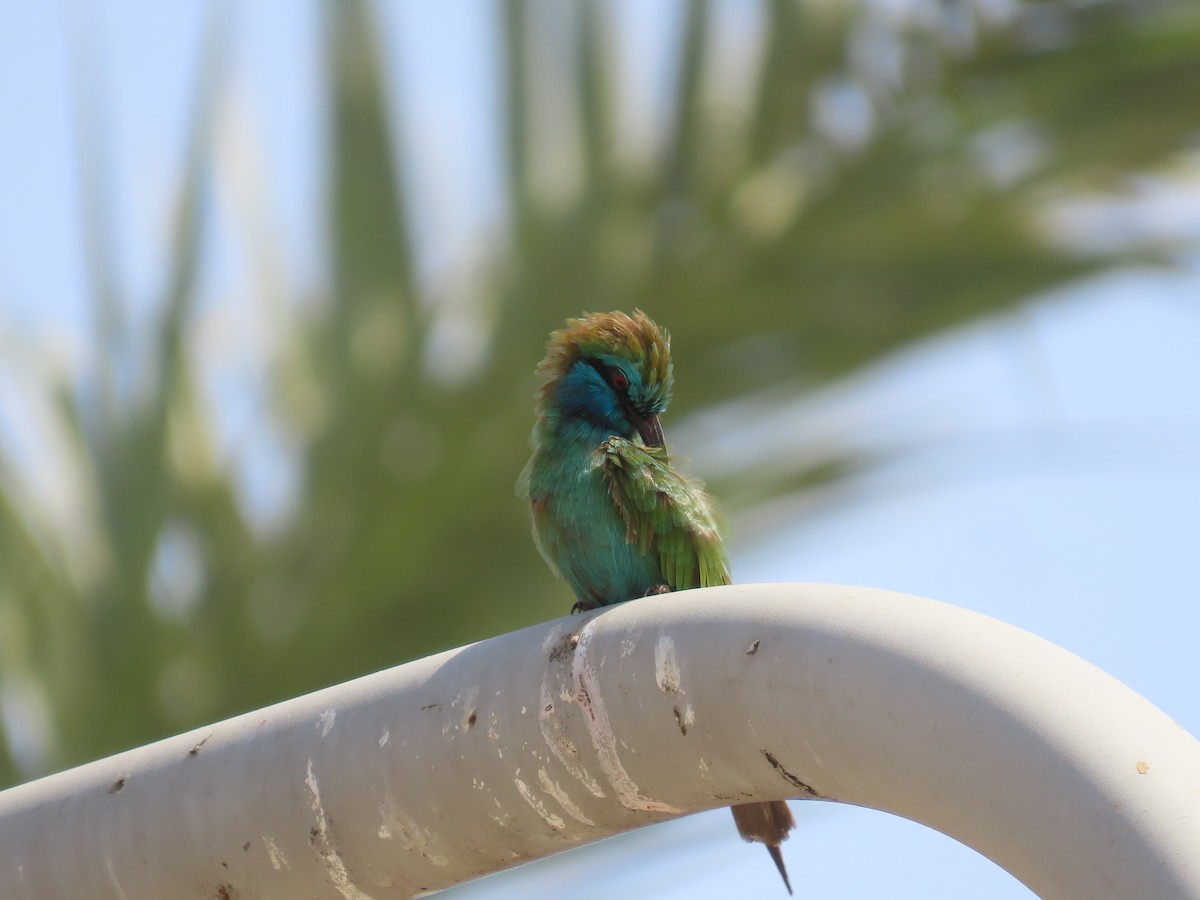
(651, 431)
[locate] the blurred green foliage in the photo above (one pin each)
(781, 247)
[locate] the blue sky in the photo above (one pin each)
(1047, 469)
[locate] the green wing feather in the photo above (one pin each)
(666, 513)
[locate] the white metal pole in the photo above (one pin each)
(464, 763)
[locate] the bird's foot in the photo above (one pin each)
(658, 589)
(583, 606)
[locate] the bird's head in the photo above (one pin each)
(607, 372)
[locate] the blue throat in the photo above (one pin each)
(587, 410)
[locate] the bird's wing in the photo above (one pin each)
(665, 512)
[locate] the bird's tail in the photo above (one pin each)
(766, 823)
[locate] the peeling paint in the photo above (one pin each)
(603, 739)
(325, 721)
(112, 876)
(554, 637)
(552, 788)
(538, 807)
(788, 776)
(405, 831)
(666, 665)
(629, 644)
(278, 860)
(468, 700)
(335, 868)
(562, 746)
(196, 747)
(684, 718)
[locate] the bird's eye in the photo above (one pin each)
(619, 379)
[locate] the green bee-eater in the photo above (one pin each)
(610, 515)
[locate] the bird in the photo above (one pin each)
(610, 515)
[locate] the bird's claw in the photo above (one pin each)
(588, 605)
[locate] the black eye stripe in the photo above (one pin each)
(604, 371)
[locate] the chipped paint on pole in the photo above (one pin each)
(448, 768)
